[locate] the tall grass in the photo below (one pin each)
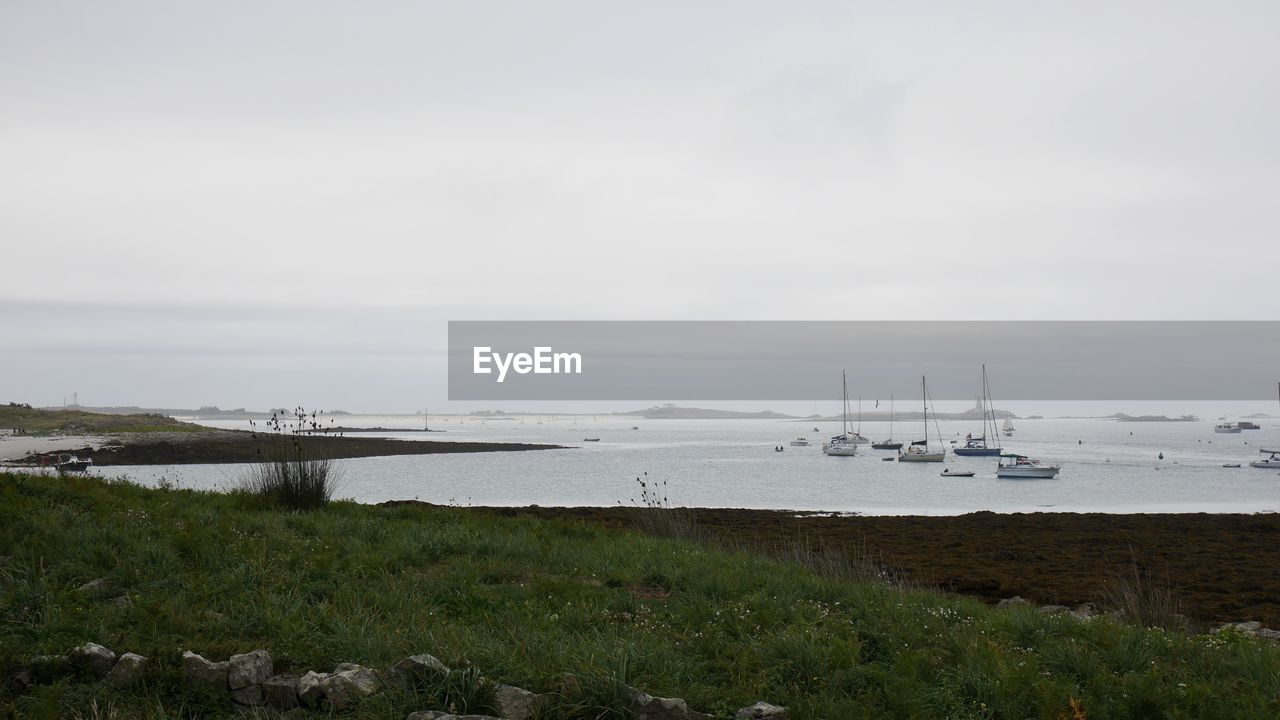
(1142, 598)
(292, 472)
(654, 514)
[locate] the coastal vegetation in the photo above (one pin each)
(21, 418)
(527, 600)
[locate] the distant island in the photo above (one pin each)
(1121, 417)
(672, 412)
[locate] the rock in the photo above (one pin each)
(22, 678)
(250, 695)
(647, 707)
(1015, 600)
(1249, 628)
(127, 670)
(440, 715)
(1054, 609)
(765, 711)
(281, 692)
(515, 703)
(410, 671)
(252, 668)
(311, 688)
(93, 585)
(1086, 610)
(199, 670)
(97, 658)
(122, 602)
(348, 684)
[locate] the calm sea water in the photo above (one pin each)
(1106, 467)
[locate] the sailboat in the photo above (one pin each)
(919, 450)
(888, 444)
(978, 445)
(842, 445)
(1007, 428)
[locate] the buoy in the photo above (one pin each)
(1161, 456)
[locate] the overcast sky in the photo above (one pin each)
(271, 203)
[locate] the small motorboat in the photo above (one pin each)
(71, 463)
(957, 473)
(635, 427)
(590, 439)
(817, 429)
(778, 448)
(887, 445)
(799, 442)
(1230, 464)
(888, 459)
(1020, 466)
(1228, 427)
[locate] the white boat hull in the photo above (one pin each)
(1046, 471)
(921, 457)
(840, 450)
(1228, 431)
(1267, 464)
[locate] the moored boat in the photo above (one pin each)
(1012, 465)
(844, 444)
(919, 450)
(977, 446)
(1272, 462)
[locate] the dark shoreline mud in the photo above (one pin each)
(1224, 567)
(238, 446)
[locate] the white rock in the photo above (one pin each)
(349, 684)
(763, 711)
(515, 703)
(127, 670)
(197, 669)
(94, 656)
(252, 668)
(311, 688)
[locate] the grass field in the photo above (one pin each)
(35, 421)
(525, 601)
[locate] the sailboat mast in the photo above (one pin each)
(890, 416)
(924, 413)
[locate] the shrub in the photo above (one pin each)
(293, 472)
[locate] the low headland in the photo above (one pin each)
(150, 439)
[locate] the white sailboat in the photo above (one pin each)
(1007, 428)
(889, 443)
(842, 445)
(979, 445)
(918, 451)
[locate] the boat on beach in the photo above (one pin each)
(1012, 465)
(71, 463)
